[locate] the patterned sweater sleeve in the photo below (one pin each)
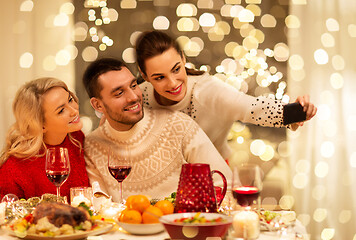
(233, 105)
(197, 148)
(90, 151)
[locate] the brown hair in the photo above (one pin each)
(153, 43)
(97, 68)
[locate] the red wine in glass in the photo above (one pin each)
(57, 166)
(247, 184)
(119, 166)
(245, 195)
(120, 172)
(57, 178)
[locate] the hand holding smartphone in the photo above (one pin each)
(292, 113)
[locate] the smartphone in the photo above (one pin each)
(292, 113)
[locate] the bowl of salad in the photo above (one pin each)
(196, 226)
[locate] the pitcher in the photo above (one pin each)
(196, 192)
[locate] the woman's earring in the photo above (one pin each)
(98, 114)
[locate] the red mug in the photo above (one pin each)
(196, 191)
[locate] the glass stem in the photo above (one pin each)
(259, 203)
(121, 198)
(58, 193)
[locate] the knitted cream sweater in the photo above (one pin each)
(158, 145)
(215, 106)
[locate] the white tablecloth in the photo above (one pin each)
(119, 235)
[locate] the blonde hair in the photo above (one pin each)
(25, 137)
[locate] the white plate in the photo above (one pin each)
(284, 219)
(142, 229)
(80, 235)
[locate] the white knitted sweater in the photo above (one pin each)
(158, 145)
(215, 105)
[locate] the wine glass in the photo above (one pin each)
(119, 166)
(246, 184)
(57, 167)
(246, 188)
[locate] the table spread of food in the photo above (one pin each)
(47, 218)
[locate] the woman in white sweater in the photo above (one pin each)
(213, 104)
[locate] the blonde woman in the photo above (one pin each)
(47, 115)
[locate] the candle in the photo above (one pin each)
(246, 225)
(81, 194)
(113, 211)
(78, 199)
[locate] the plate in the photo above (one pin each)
(280, 219)
(80, 235)
(142, 229)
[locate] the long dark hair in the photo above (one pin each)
(153, 43)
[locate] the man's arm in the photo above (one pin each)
(197, 148)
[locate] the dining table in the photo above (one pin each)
(116, 233)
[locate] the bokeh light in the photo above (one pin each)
(257, 147)
(26, 6)
(338, 62)
(327, 233)
(327, 40)
(320, 214)
(62, 57)
(300, 180)
(321, 169)
(161, 23)
(49, 63)
(67, 8)
(61, 20)
(351, 28)
(292, 21)
(332, 25)
(128, 4)
(186, 10)
(321, 56)
(281, 52)
(26, 60)
(207, 20)
(336, 80)
(89, 54)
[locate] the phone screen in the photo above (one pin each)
(292, 113)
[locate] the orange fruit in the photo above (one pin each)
(151, 215)
(122, 214)
(130, 216)
(165, 206)
(129, 200)
(139, 203)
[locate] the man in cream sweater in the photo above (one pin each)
(157, 142)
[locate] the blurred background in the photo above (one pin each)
(277, 48)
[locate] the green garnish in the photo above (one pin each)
(82, 204)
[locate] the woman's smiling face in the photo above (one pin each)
(166, 72)
(61, 114)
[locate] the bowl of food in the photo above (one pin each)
(196, 226)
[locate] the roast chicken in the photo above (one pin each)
(60, 213)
